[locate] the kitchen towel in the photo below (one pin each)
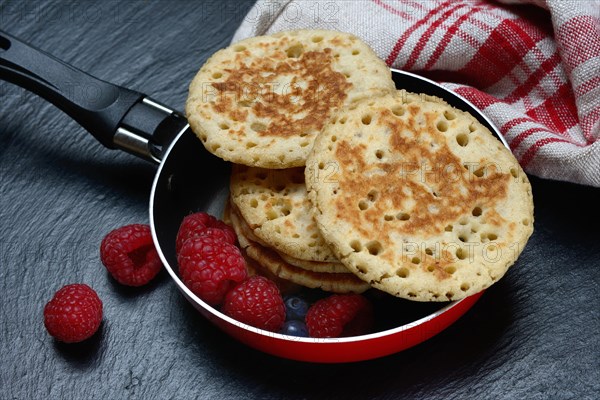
(532, 66)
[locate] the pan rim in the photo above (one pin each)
(316, 341)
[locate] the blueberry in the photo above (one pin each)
(295, 328)
(295, 308)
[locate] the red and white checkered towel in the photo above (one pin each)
(532, 66)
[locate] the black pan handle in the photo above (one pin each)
(117, 117)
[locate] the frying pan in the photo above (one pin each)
(189, 179)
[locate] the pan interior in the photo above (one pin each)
(191, 179)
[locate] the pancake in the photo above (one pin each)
(275, 206)
(315, 266)
(423, 202)
(261, 101)
(272, 263)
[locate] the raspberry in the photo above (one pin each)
(210, 267)
(339, 316)
(256, 302)
(74, 313)
(128, 253)
(195, 225)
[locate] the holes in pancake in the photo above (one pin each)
(449, 115)
(215, 147)
(342, 120)
(379, 154)
(384, 276)
(462, 139)
(450, 269)
(403, 273)
(316, 39)
(430, 268)
(476, 211)
(321, 165)
(285, 211)
(449, 295)
(217, 75)
(254, 203)
(261, 175)
(239, 48)
(372, 195)
(411, 294)
(278, 229)
(347, 74)
(356, 246)
(223, 126)
(472, 128)
(203, 138)
(479, 172)
(271, 214)
(442, 126)
(334, 138)
(355, 52)
(416, 260)
(361, 269)
(250, 145)
(428, 251)
(402, 216)
(461, 254)
(255, 159)
(258, 127)
(525, 221)
(366, 119)
(244, 103)
(374, 247)
(463, 238)
(363, 205)
(488, 236)
(448, 228)
(295, 51)
(295, 236)
(398, 111)
(513, 172)
(304, 144)
(463, 221)
(388, 217)
(465, 286)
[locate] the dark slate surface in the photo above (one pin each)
(534, 335)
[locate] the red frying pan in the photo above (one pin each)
(124, 119)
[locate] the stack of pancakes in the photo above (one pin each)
(342, 183)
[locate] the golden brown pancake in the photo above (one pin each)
(275, 206)
(421, 200)
(271, 261)
(261, 101)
